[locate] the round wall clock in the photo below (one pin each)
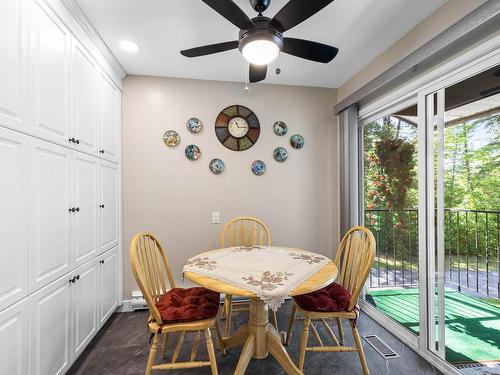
(237, 128)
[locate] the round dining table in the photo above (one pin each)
(258, 337)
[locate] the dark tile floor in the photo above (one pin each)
(122, 348)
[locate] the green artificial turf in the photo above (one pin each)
(472, 325)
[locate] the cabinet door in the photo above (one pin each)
(50, 322)
(13, 217)
(85, 100)
(14, 339)
(108, 205)
(13, 68)
(108, 284)
(109, 119)
(50, 218)
(86, 201)
(84, 307)
(49, 76)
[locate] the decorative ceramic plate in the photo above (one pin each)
(194, 125)
(258, 167)
(237, 128)
(280, 154)
(280, 128)
(216, 166)
(171, 138)
(297, 141)
(192, 152)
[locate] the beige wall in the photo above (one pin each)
(451, 12)
(167, 194)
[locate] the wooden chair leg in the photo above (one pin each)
(341, 331)
(211, 351)
(229, 312)
(164, 345)
(359, 346)
(152, 354)
(303, 342)
(290, 324)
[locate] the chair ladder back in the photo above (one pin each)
(354, 260)
(151, 270)
(245, 231)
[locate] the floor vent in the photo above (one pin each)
(381, 347)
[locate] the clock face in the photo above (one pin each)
(237, 128)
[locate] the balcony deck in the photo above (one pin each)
(472, 324)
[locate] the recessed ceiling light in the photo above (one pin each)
(129, 46)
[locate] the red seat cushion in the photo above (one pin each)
(183, 305)
(331, 298)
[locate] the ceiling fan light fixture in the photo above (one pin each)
(260, 52)
(260, 46)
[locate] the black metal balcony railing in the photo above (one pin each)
(472, 253)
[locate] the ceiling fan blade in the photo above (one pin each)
(309, 50)
(210, 49)
(257, 73)
(297, 11)
(232, 12)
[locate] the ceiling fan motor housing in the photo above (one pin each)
(261, 31)
(260, 5)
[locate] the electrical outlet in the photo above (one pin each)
(215, 217)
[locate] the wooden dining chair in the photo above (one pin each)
(243, 231)
(154, 277)
(338, 301)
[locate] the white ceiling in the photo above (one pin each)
(361, 29)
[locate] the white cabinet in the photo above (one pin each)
(109, 118)
(85, 219)
(50, 218)
(108, 284)
(84, 307)
(108, 207)
(13, 66)
(50, 43)
(50, 325)
(14, 339)
(86, 98)
(13, 217)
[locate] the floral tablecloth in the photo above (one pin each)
(269, 272)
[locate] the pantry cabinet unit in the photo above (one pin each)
(13, 217)
(14, 339)
(84, 306)
(50, 53)
(85, 201)
(50, 208)
(108, 283)
(49, 328)
(13, 72)
(60, 209)
(86, 101)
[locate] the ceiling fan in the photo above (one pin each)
(261, 38)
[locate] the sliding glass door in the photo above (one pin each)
(462, 210)
(390, 198)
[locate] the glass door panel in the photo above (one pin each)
(390, 212)
(463, 260)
